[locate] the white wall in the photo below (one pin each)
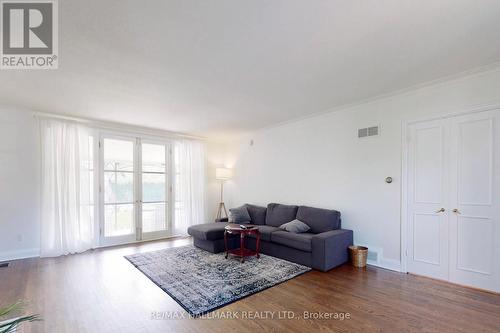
(19, 185)
(321, 162)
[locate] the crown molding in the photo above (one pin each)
(478, 71)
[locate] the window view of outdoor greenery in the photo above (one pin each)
(154, 188)
(118, 187)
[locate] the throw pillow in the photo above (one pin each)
(239, 215)
(295, 226)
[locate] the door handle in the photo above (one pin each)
(456, 211)
(441, 210)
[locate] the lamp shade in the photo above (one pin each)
(223, 173)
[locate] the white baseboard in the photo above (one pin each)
(19, 254)
(390, 264)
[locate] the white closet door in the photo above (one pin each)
(428, 199)
(475, 200)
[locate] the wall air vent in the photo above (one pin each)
(369, 131)
(372, 256)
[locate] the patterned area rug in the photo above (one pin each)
(201, 281)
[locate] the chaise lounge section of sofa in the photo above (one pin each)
(323, 247)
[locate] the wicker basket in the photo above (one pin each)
(358, 255)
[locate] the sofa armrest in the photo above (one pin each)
(330, 249)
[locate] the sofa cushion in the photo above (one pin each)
(208, 231)
(265, 232)
(319, 220)
(277, 214)
(295, 226)
(257, 214)
(297, 241)
(239, 215)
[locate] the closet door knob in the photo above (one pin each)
(441, 210)
(456, 211)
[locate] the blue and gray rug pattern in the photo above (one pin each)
(201, 281)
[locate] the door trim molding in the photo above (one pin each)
(405, 140)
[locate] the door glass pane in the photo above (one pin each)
(119, 219)
(154, 188)
(118, 155)
(153, 158)
(118, 187)
(153, 217)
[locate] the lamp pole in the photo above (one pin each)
(221, 191)
(222, 174)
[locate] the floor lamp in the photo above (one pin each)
(222, 174)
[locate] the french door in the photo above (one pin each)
(135, 189)
(154, 211)
(454, 199)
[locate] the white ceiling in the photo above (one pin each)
(225, 67)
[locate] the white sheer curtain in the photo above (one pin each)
(67, 214)
(189, 160)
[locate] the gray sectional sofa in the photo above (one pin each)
(323, 247)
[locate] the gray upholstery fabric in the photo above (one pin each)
(330, 248)
(216, 246)
(295, 227)
(320, 220)
(257, 214)
(265, 232)
(296, 241)
(281, 251)
(208, 231)
(239, 215)
(277, 214)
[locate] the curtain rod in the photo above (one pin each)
(110, 125)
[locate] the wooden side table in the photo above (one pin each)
(242, 252)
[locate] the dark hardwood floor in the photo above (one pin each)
(100, 291)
